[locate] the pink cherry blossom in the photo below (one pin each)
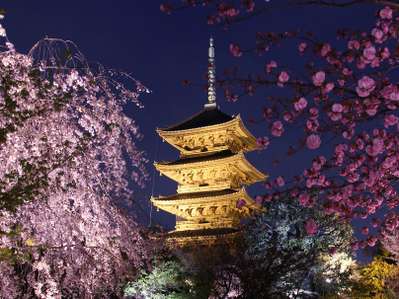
(277, 128)
(329, 87)
(369, 53)
(250, 5)
(259, 199)
(365, 230)
(270, 66)
(300, 104)
(390, 120)
(386, 13)
(336, 112)
(375, 62)
(166, 8)
(313, 141)
(283, 77)
(362, 63)
(337, 107)
(376, 148)
(314, 112)
(311, 227)
(375, 222)
(288, 117)
(353, 45)
(305, 200)
(318, 78)
(390, 92)
(372, 241)
(347, 72)
(280, 181)
(263, 142)
(385, 53)
(325, 49)
(384, 26)
(228, 11)
(318, 163)
(235, 50)
(365, 86)
(302, 47)
(378, 35)
(312, 125)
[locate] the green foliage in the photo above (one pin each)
(167, 280)
(332, 275)
(10, 254)
(280, 256)
(374, 274)
(372, 281)
(6, 254)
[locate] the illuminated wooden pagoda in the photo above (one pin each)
(211, 173)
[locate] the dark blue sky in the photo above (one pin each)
(162, 50)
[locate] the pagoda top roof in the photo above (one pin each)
(211, 157)
(206, 117)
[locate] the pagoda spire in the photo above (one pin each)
(211, 174)
(211, 76)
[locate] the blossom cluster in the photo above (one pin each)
(345, 98)
(68, 159)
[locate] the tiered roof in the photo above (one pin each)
(209, 131)
(211, 172)
(204, 118)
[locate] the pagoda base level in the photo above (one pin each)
(202, 237)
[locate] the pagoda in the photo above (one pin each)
(211, 173)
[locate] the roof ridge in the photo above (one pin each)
(205, 117)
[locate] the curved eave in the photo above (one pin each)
(171, 205)
(236, 124)
(168, 200)
(248, 134)
(258, 176)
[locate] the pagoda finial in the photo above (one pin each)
(211, 76)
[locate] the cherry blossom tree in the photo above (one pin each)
(390, 239)
(68, 161)
(344, 96)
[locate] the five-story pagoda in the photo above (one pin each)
(211, 173)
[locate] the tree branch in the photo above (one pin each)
(394, 4)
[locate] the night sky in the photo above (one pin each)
(161, 51)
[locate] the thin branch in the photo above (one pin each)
(345, 4)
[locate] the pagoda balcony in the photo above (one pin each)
(223, 222)
(208, 206)
(216, 171)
